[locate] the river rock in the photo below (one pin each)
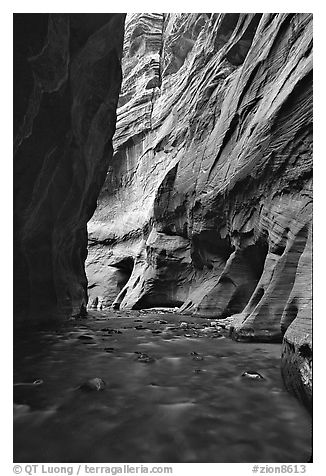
(252, 375)
(93, 384)
(144, 358)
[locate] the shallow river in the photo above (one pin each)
(173, 393)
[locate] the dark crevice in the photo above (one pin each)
(305, 351)
(290, 313)
(155, 300)
(227, 137)
(256, 298)
(118, 301)
(237, 54)
(136, 282)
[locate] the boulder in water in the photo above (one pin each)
(252, 375)
(93, 384)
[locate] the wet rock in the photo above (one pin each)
(252, 375)
(36, 383)
(208, 330)
(162, 310)
(94, 384)
(21, 409)
(196, 356)
(111, 331)
(144, 358)
(85, 337)
(28, 393)
(184, 325)
(215, 335)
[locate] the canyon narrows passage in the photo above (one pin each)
(203, 207)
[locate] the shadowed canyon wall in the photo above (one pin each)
(67, 78)
(207, 203)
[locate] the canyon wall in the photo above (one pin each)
(67, 78)
(207, 203)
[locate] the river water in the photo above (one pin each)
(174, 392)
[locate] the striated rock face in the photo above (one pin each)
(207, 204)
(67, 81)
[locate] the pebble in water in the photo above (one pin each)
(196, 356)
(144, 358)
(111, 331)
(252, 375)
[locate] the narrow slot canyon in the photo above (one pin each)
(163, 238)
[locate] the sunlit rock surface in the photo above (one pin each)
(207, 204)
(67, 80)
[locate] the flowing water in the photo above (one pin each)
(174, 392)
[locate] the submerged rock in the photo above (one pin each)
(93, 384)
(36, 383)
(21, 409)
(144, 358)
(196, 356)
(85, 337)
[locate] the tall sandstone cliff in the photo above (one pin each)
(207, 204)
(67, 78)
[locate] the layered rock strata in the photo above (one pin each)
(67, 76)
(207, 204)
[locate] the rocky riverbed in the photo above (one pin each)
(151, 386)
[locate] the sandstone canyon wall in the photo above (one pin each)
(207, 204)
(67, 78)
